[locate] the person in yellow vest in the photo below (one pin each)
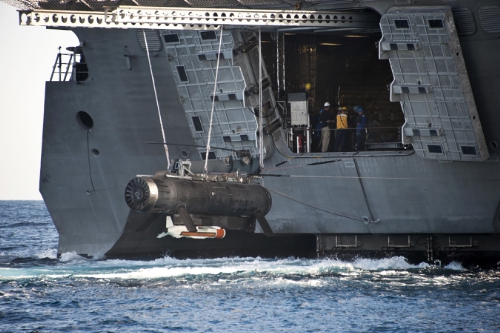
(341, 136)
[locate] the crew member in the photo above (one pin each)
(341, 136)
(325, 120)
(360, 130)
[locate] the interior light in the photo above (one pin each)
(330, 44)
(355, 36)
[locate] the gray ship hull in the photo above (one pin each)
(374, 202)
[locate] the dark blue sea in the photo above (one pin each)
(42, 293)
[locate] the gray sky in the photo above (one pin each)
(27, 55)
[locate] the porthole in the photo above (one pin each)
(95, 152)
(184, 153)
(84, 120)
(493, 144)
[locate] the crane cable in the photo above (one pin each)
(156, 98)
(261, 111)
(205, 169)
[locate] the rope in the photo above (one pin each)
(318, 208)
(261, 132)
(156, 98)
(363, 189)
(205, 169)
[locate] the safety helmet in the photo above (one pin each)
(360, 109)
(343, 108)
(308, 86)
(356, 108)
(326, 104)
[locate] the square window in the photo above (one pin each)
(208, 35)
(436, 149)
(468, 150)
(401, 24)
(211, 156)
(171, 38)
(436, 24)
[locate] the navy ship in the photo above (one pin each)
(190, 128)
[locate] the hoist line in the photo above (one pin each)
(261, 111)
(156, 98)
(205, 168)
(347, 216)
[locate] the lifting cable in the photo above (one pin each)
(205, 169)
(156, 98)
(261, 111)
(351, 217)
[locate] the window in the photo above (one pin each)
(436, 149)
(211, 156)
(468, 150)
(197, 124)
(436, 24)
(182, 74)
(207, 35)
(401, 24)
(172, 38)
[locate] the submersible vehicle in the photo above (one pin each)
(181, 128)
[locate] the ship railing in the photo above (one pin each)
(376, 138)
(62, 66)
(67, 67)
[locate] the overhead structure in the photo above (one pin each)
(197, 18)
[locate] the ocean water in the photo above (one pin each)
(42, 293)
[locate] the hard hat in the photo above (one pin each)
(343, 108)
(356, 108)
(360, 109)
(308, 86)
(326, 104)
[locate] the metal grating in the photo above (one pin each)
(213, 3)
(162, 3)
(432, 84)
(235, 108)
(490, 18)
(251, 3)
(231, 117)
(464, 21)
(98, 4)
(153, 40)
